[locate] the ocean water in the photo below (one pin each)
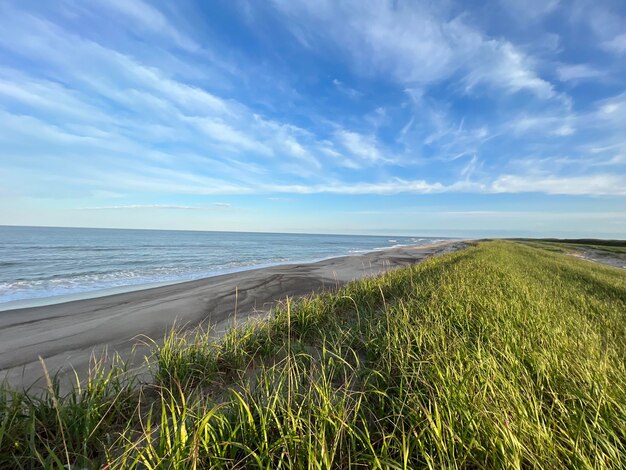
(47, 265)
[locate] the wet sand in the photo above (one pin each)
(66, 335)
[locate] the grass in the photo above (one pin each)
(502, 355)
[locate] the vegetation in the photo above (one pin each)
(502, 355)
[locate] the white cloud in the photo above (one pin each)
(361, 146)
(599, 185)
(143, 206)
(619, 159)
(170, 182)
(221, 132)
(105, 71)
(416, 43)
(556, 124)
(470, 167)
(47, 97)
(155, 106)
(346, 90)
(406, 41)
(223, 205)
(122, 127)
(609, 118)
(144, 15)
(101, 193)
(616, 44)
(502, 65)
(545, 215)
(394, 186)
(596, 185)
(576, 72)
(288, 140)
(529, 9)
(564, 131)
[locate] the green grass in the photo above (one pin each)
(499, 356)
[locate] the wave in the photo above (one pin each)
(7, 264)
(51, 263)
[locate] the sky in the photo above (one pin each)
(463, 118)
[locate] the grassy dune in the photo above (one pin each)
(499, 356)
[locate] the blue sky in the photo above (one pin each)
(395, 117)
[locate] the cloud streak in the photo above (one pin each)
(419, 43)
(324, 101)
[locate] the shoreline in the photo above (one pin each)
(66, 335)
(43, 301)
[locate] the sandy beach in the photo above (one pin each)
(600, 256)
(66, 335)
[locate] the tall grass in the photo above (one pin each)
(499, 356)
(50, 430)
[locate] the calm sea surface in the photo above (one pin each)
(63, 263)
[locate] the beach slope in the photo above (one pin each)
(66, 335)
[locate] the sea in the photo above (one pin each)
(45, 265)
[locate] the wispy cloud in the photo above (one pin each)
(223, 205)
(547, 215)
(147, 101)
(416, 43)
(547, 124)
(533, 10)
(346, 90)
(148, 17)
(577, 72)
(142, 207)
(500, 64)
(597, 185)
(616, 44)
(364, 148)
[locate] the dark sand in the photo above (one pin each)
(617, 260)
(67, 334)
